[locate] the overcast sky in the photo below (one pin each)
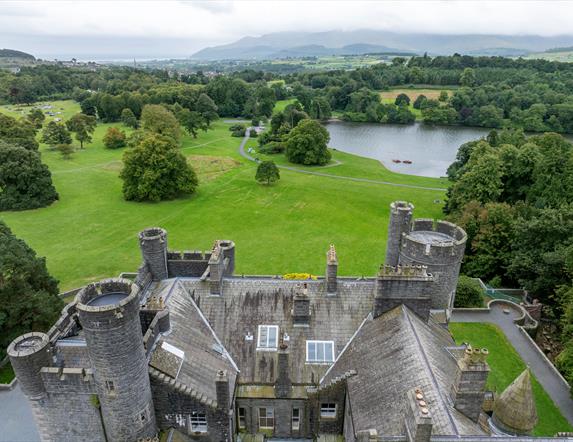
(108, 29)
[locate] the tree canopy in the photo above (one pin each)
(25, 182)
(267, 172)
(307, 144)
(156, 170)
(83, 126)
(156, 118)
(28, 294)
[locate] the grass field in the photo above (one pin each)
(505, 366)
(281, 104)
(91, 232)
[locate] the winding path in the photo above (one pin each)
(327, 175)
(553, 383)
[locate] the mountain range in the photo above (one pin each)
(299, 44)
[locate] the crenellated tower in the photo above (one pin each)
(400, 219)
(153, 245)
(109, 316)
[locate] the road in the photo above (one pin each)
(552, 382)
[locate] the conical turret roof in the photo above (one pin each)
(514, 410)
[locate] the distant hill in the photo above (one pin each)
(11, 53)
(565, 49)
(293, 44)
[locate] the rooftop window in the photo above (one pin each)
(319, 352)
(268, 337)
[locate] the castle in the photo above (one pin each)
(190, 346)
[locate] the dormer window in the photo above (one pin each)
(319, 352)
(268, 337)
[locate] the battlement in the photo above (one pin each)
(404, 271)
(65, 323)
(188, 255)
(60, 380)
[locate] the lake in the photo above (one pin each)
(431, 149)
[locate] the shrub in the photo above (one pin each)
(114, 138)
(468, 293)
(66, 150)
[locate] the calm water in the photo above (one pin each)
(431, 149)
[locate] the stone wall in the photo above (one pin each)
(173, 409)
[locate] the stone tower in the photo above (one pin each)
(153, 245)
(400, 220)
(109, 316)
(440, 247)
(514, 410)
(28, 354)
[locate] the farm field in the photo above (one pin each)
(283, 228)
(505, 366)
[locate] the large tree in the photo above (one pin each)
(19, 132)
(83, 126)
(207, 108)
(156, 118)
(267, 172)
(114, 138)
(156, 170)
(55, 134)
(25, 182)
(307, 144)
(28, 294)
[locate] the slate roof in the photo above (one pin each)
(191, 334)
(515, 407)
(392, 354)
(246, 303)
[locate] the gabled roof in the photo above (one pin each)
(191, 353)
(392, 354)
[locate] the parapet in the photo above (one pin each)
(106, 295)
(28, 354)
(58, 380)
(436, 243)
(405, 272)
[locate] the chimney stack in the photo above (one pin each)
(283, 383)
(331, 270)
(301, 307)
(468, 389)
(418, 418)
(222, 390)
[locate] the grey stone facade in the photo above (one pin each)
(191, 346)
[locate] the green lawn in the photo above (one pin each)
(91, 232)
(506, 365)
(6, 374)
(281, 104)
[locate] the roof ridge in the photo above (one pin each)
(183, 388)
(206, 322)
(428, 368)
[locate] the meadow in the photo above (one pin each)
(389, 96)
(506, 365)
(91, 232)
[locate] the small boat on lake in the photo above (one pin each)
(407, 162)
(396, 161)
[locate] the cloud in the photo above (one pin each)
(206, 23)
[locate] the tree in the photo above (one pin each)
(418, 102)
(28, 294)
(307, 144)
(25, 182)
(156, 118)
(83, 126)
(402, 99)
(320, 109)
(267, 172)
(443, 96)
(18, 132)
(36, 117)
(128, 118)
(207, 108)
(55, 133)
(192, 121)
(468, 293)
(468, 78)
(114, 138)
(156, 170)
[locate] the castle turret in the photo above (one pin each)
(400, 220)
(109, 315)
(153, 245)
(28, 354)
(514, 410)
(440, 247)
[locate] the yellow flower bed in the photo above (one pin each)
(299, 276)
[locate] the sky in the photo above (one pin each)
(112, 29)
